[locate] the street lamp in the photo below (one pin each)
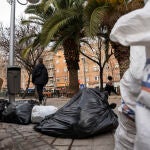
(13, 72)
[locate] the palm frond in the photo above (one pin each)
(36, 18)
(57, 44)
(96, 18)
(36, 41)
(38, 10)
(57, 22)
(32, 21)
(26, 51)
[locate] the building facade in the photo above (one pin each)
(89, 72)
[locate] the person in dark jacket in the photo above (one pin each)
(109, 86)
(40, 78)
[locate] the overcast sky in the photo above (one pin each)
(5, 9)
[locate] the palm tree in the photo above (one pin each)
(38, 17)
(61, 22)
(105, 13)
(37, 13)
(64, 28)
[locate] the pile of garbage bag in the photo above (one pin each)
(88, 113)
(3, 105)
(18, 112)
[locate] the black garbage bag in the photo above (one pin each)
(86, 114)
(3, 104)
(19, 112)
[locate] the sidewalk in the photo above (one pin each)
(23, 137)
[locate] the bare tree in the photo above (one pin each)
(25, 56)
(99, 53)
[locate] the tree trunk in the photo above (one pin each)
(71, 53)
(73, 81)
(122, 54)
(101, 79)
(1, 83)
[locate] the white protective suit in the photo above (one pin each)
(133, 29)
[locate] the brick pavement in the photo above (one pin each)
(23, 137)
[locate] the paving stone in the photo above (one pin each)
(26, 146)
(46, 147)
(48, 139)
(35, 140)
(81, 148)
(82, 142)
(6, 143)
(32, 137)
(61, 148)
(18, 140)
(103, 139)
(39, 143)
(4, 134)
(60, 141)
(106, 147)
(17, 137)
(27, 134)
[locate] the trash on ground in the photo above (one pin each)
(18, 112)
(88, 113)
(40, 112)
(3, 105)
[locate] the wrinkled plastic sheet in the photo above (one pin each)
(3, 104)
(86, 114)
(18, 112)
(40, 112)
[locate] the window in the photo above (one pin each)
(95, 68)
(65, 69)
(51, 74)
(106, 67)
(57, 79)
(87, 79)
(116, 66)
(66, 79)
(96, 78)
(51, 66)
(51, 58)
(57, 61)
(86, 69)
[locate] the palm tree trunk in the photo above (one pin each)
(71, 53)
(122, 54)
(73, 82)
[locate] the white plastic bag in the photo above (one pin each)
(40, 112)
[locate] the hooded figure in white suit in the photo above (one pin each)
(133, 29)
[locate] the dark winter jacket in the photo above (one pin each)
(40, 75)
